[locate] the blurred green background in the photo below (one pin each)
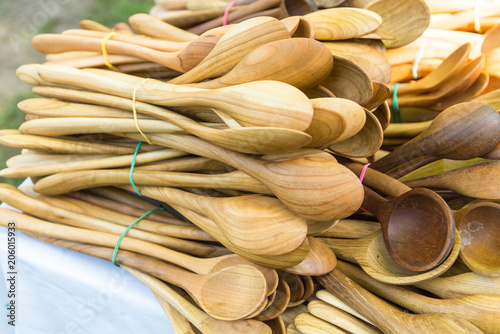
(20, 20)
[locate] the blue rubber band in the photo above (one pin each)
(113, 258)
(396, 112)
(132, 165)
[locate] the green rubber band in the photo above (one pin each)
(418, 57)
(131, 175)
(396, 112)
(113, 258)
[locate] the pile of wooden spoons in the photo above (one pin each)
(252, 140)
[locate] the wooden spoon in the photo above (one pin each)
(319, 260)
(385, 316)
(481, 311)
(417, 212)
(213, 292)
(445, 137)
(259, 224)
(301, 62)
(477, 181)
(151, 26)
(461, 285)
(309, 324)
(178, 322)
(243, 139)
(343, 23)
(372, 255)
(275, 261)
(453, 64)
(292, 102)
(200, 319)
(339, 318)
(363, 144)
(182, 60)
(402, 27)
(314, 186)
(278, 304)
(67, 182)
(233, 46)
(348, 80)
(479, 230)
(351, 229)
(335, 120)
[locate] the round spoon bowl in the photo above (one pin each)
(480, 233)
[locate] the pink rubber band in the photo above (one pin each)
(226, 12)
(363, 172)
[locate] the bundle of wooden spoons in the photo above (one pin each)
(250, 141)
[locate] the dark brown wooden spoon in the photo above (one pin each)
(418, 227)
(463, 131)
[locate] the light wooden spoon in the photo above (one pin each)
(233, 46)
(67, 182)
(309, 324)
(477, 181)
(385, 316)
(445, 137)
(372, 255)
(151, 26)
(243, 139)
(395, 21)
(461, 285)
(481, 311)
(343, 23)
(314, 186)
(441, 75)
(259, 224)
(182, 60)
(301, 62)
(339, 318)
(200, 319)
(178, 322)
(295, 110)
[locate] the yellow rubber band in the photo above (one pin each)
(135, 111)
(477, 16)
(105, 52)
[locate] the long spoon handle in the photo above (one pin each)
(72, 181)
(371, 307)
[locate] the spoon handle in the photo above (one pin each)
(376, 205)
(56, 43)
(379, 312)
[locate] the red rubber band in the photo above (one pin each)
(361, 177)
(226, 12)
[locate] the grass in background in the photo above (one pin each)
(111, 12)
(106, 12)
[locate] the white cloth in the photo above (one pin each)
(61, 291)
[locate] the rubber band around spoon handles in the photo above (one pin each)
(134, 110)
(117, 246)
(361, 177)
(105, 52)
(132, 165)
(226, 12)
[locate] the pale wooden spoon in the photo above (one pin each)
(387, 317)
(67, 182)
(481, 311)
(233, 46)
(339, 318)
(295, 110)
(151, 26)
(372, 255)
(272, 139)
(309, 324)
(343, 23)
(259, 224)
(200, 319)
(301, 62)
